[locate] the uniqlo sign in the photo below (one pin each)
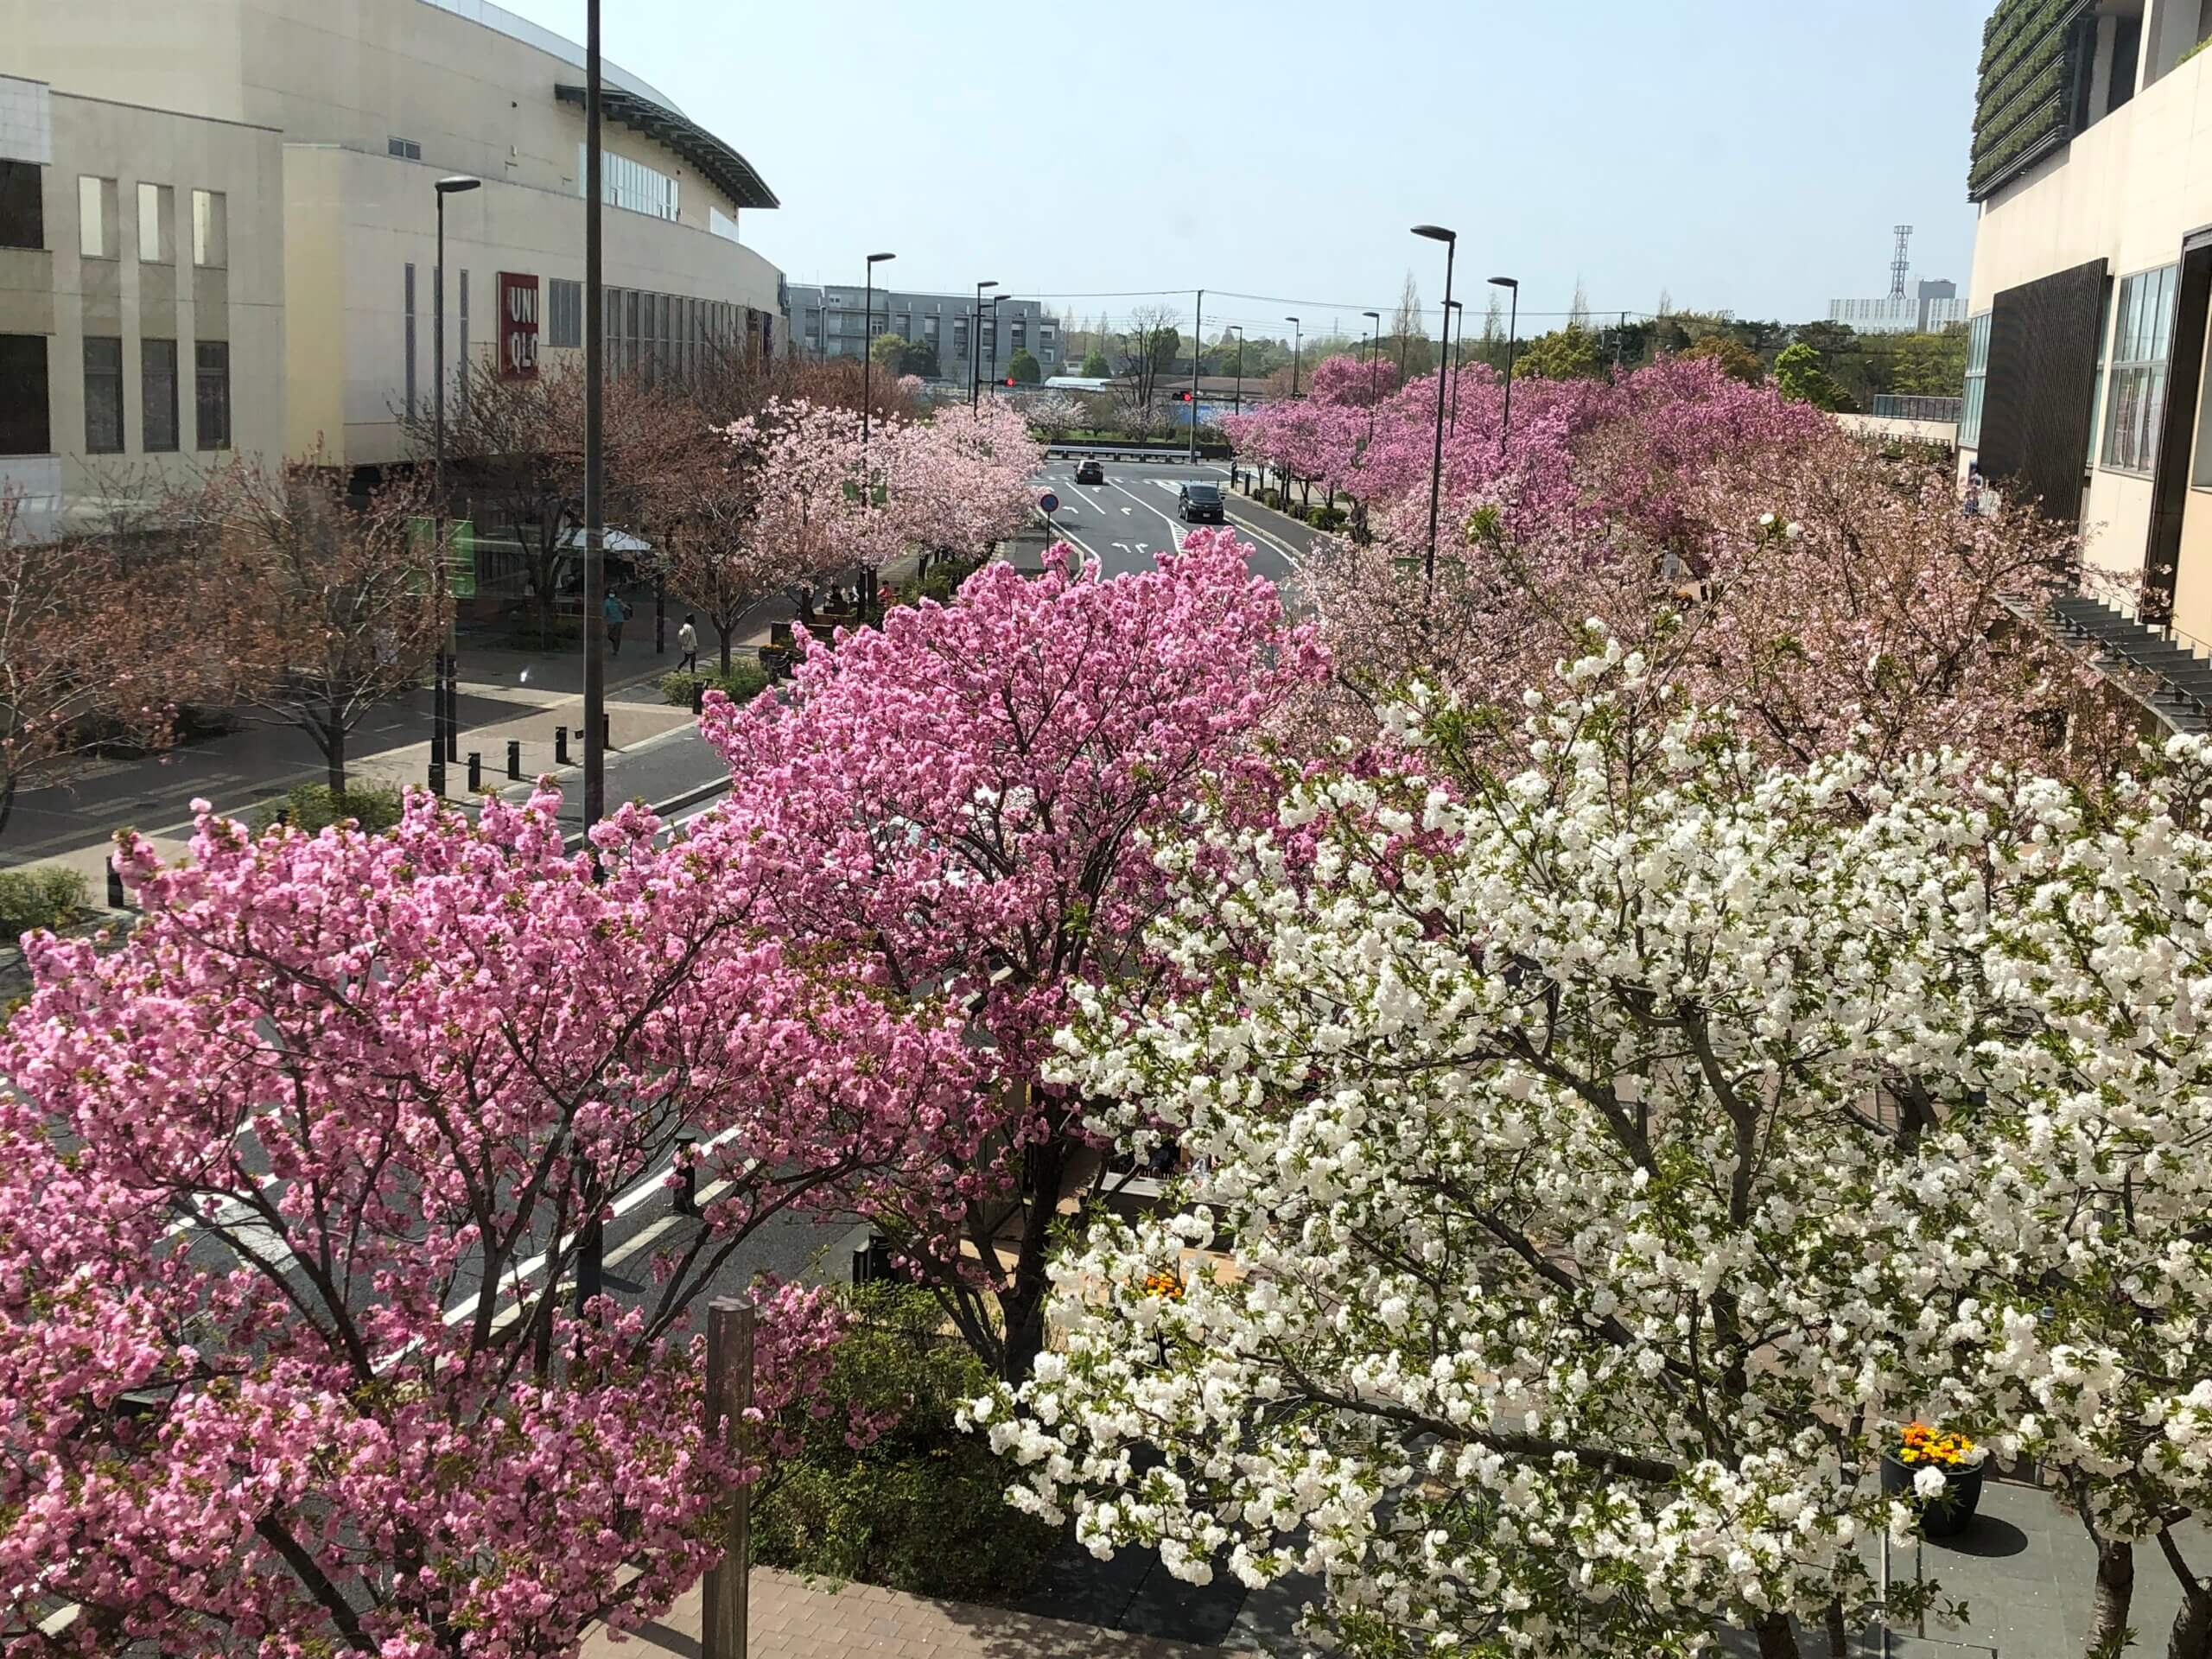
(517, 326)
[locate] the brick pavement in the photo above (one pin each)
(792, 1618)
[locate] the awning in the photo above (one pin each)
(724, 169)
(610, 541)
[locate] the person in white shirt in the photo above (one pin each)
(687, 641)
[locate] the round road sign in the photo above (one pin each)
(1048, 503)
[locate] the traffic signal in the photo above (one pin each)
(1185, 395)
(1009, 380)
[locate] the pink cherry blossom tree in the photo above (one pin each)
(961, 802)
(293, 1187)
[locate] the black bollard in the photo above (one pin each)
(698, 697)
(514, 757)
(606, 732)
(476, 771)
(561, 745)
(117, 898)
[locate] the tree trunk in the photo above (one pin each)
(725, 625)
(7, 802)
(2191, 1634)
(1777, 1639)
(1839, 1632)
(1021, 1304)
(333, 751)
(2115, 1591)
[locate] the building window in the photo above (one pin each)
(2097, 391)
(103, 395)
(406, 149)
(157, 395)
(461, 384)
(210, 228)
(407, 376)
(22, 395)
(960, 338)
(23, 209)
(1977, 383)
(1021, 335)
(2135, 403)
(630, 184)
(564, 312)
(212, 393)
(156, 225)
(95, 217)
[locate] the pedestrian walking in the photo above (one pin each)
(616, 613)
(687, 641)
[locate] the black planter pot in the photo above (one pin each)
(1947, 1514)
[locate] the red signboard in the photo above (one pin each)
(517, 326)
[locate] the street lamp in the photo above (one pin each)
(1297, 341)
(868, 353)
(1512, 328)
(1237, 402)
(976, 356)
(995, 298)
(1451, 241)
(1451, 307)
(445, 676)
(1374, 353)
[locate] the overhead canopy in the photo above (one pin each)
(723, 167)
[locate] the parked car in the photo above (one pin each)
(1089, 472)
(1200, 504)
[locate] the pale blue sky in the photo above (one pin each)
(1751, 154)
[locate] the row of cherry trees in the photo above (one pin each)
(1615, 1113)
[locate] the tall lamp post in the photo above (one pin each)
(995, 298)
(1237, 402)
(1297, 341)
(1512, 329)
(1451, 241)
(445, 677)
(975, 354)
(591, 1247)
(1374, 356)
(867, 370)
(1452, 308)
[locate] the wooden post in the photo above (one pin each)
(729, 1396)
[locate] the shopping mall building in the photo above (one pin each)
(217, 230)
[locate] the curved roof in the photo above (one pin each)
(500, 21)
(724, 169)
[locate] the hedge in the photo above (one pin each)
(312, 808)
(51, 897)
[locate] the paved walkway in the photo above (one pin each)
(794, 1619)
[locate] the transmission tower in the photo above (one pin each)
(1899, 265)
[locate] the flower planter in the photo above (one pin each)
(1948, 1513)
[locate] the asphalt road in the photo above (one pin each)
(1125, 521)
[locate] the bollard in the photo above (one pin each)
(698, 697)
(606, 732)
(117, 898)
(561, 745)
(514, 757)
(284, 817)
(476, 771)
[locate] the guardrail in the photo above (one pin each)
(1162, 453)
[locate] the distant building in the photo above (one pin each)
(217, 226)
(831, 322)
(1929, 309)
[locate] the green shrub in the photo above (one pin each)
(744, 682)
(51, 897)
(920, 1508)
(313, 808)
(1326, 518)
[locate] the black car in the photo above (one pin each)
(1089, 472)
(1200, 504)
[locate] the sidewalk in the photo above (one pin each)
(793, 1620)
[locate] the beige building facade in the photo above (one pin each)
(2093, 269)
(323, 126)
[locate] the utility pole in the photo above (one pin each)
(594, 443)
(1197, 342)
(730, 1397)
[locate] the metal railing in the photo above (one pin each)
(1890, 406)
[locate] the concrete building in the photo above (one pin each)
(230, 203)
(832, 321)
(2092, 278)
(1931, 308)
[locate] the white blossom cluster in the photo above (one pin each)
(1602, 1163)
